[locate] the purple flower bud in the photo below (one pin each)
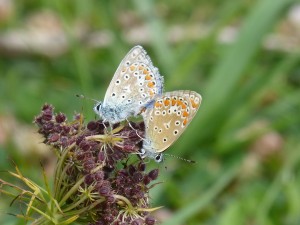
(137, 222)
(110, 199)
(92, 125)
(153, 174)
(64, 141)
(47, 107)
(38, 120)
(129, 148)
(137, 177)
(146, 180)
(84, 145)
(88, 179)
(48, 127)
(99, 175)
(60, 118)
(127, 191)
(142, 166)
(66, 129)
(88, 155)
(101, 156)
(104, 190)
(150, 220)
(79, 140)
(47, 116)
(123, 173)
(53, 137)
(88, 166)
(77, 117)
(131, 169)
(102, 125)
(80, 155)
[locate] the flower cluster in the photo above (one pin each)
(98, 177)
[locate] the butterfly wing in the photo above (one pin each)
(169, 117)
(136, 82)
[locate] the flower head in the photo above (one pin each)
(95, 176)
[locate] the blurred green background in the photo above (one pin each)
(242, 56)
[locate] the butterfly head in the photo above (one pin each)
(98, 108)
(157, 157)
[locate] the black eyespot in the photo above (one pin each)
(165, 139)
(113, 94)
(175, 132)
(158, 158)
(123, 96)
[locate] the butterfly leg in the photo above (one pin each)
(134, 129)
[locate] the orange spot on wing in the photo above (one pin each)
(151, 93)
(194, 104)
(174, 101)
(141, 68)
(185, 114)
(185, 122)
(157, 105)
(167, 102)
(183, 106)
(145, 72)
(150, 85)
(132, 68)
(148, 77)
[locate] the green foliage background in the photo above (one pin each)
(248, 92)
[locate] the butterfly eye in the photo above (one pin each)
(159, 158)
(97, 107)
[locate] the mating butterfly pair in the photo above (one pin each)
(137, 88)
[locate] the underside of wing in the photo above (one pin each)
(136, 82)
(169, 117)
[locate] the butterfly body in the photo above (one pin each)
(166, 121)
(133, 88)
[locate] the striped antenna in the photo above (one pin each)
(178, 157)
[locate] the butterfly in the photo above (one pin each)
(166, 120)
(134, 86)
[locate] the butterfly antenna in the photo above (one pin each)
(183, 159)
(83, 97)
